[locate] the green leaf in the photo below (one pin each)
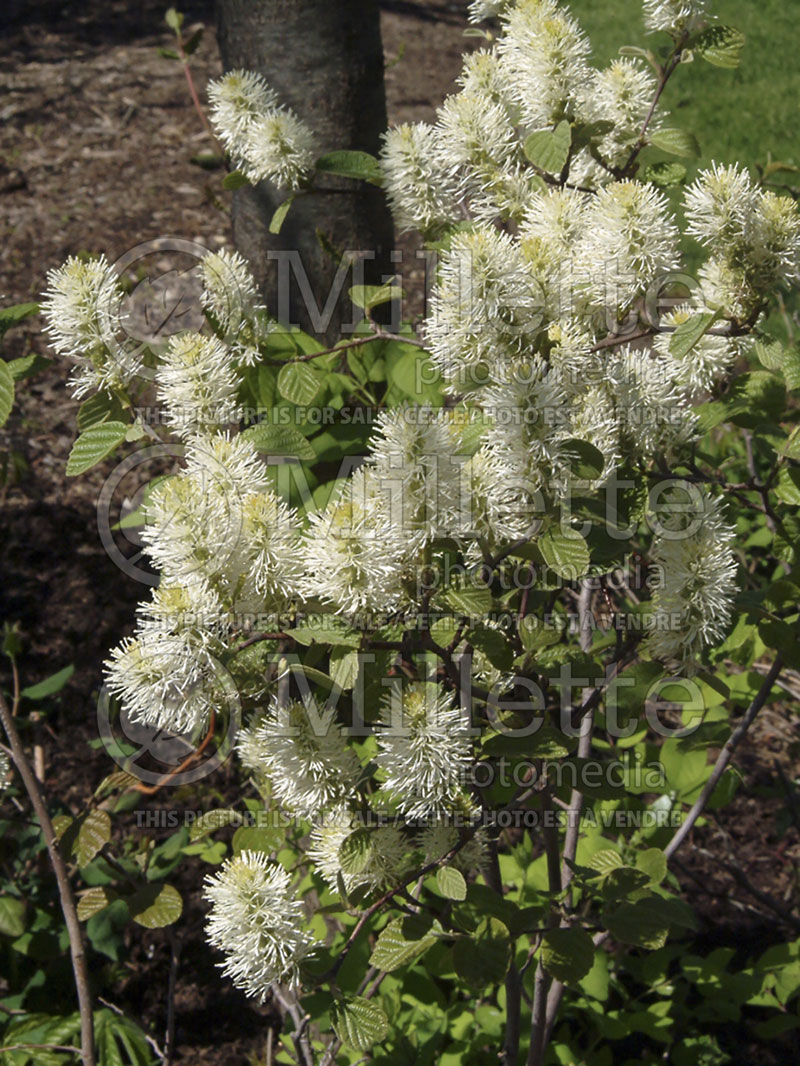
(12, 916)
(16, 313)
(154, 906)
(235, 180)
(329, 631)
(473, 602)
(93, 445)
(585, 461)
(279, 217)
(664, 174)
(360, 1023)
(787, 488)
(642, 923)
(257, 838)
(99, 408)
(410, 370)
(93, 834)
(27, 365)
(6, 392)
(94, 900)
(549, 149)
(211, 820)
(299, 383)
(168, 53)
(190, 46)
(350, 164)
(675, 141)
(545, 743)
(483, 959)
(720, 45)
(451, 883)
(393, 950)
(653, 862)
(345, 664)
(567, 954)
(354, 851)
(623, 882)
(174, 19)
(50, 685)
(279, 440)
(368, 296)
(565, 552)
(688, 333)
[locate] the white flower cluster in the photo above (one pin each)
(82, 308)
(696, 573)
(266, 140)
(753, 236)
(5, 770)
(674, 16)
(255, 921)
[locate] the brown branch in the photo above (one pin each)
(33, 788)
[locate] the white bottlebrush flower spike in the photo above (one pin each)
(197, 382)
(303, 752)
(674, 16)
(229, 291)
(424, 750)
(82, 311)
(256, 922)
(421, 187)
(709, 360)
(355, 556)
(546, 54)
(696, 577)
(720, 206)
(630, 242)
(267, 141)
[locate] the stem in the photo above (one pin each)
(724, 758)
(513, 977)
(33, 788)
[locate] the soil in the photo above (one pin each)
(98, 132)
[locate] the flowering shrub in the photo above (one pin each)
(533, 567)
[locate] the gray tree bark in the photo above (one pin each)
(324, 58)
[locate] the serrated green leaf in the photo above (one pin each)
(351, 164)
(155, 906)
(360, 1023)
(451, 883)
(605, 860)
(27, 365)
(720, 45)
(354, 851)
(50, 685)
(642, 923)
(545, 743)
(6, 392)
(299, 383)
(279, 440)
(675, 141)
(653, 862)
(16, 313)
(585, 461)
(567, 954)
(549, 149)
(393, 950)
(99, 408)
(565, 552)
(473, 602)
(688, 333)
(664, 174)
(344, 666)
(12, 916)
(621, 882)
(93, 445)
(94, 833)
(368, 296)
(95, 900)
(211, 820)
(257, 838)
(483, 959)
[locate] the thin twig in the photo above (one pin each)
(33, 788)
(724, 758)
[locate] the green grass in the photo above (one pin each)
(745, 114)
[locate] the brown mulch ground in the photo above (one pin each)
(97, 135)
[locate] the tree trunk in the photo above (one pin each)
(324, 58)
